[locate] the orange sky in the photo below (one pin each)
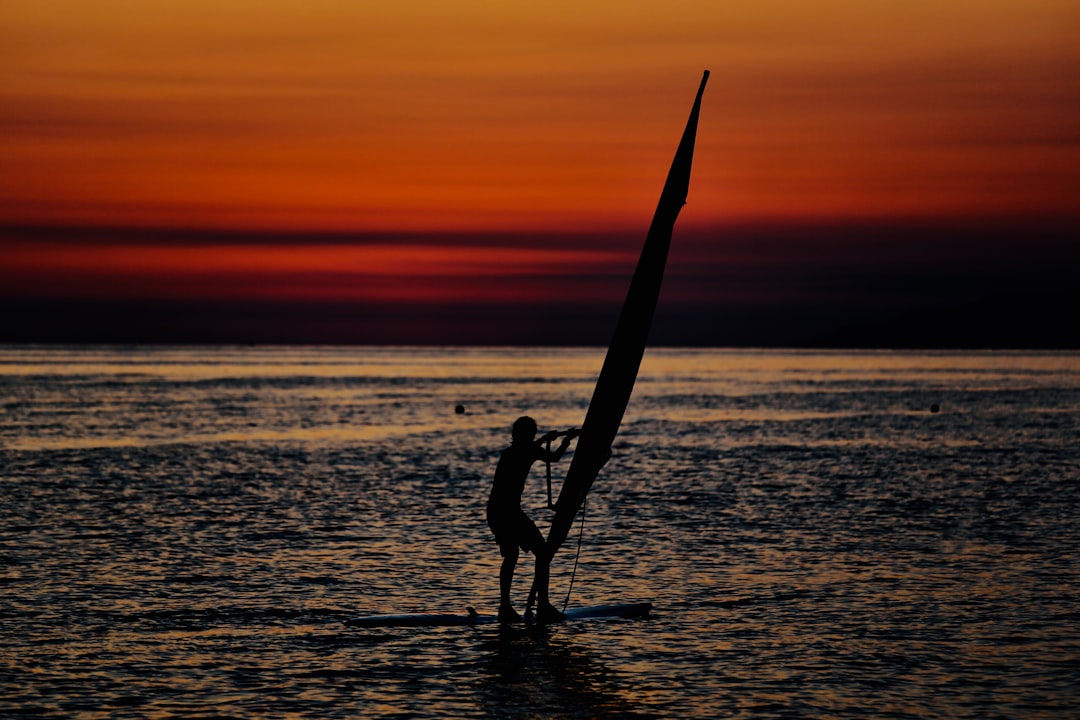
(346, 118)
(432, 115)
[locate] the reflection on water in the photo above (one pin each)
(186, 530)
(525, 673)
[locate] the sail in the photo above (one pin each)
(620, 368)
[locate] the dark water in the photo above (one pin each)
(185, 532)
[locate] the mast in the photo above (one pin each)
(623, 359)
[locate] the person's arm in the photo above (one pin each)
(546, 455)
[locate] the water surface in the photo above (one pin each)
(185, 532)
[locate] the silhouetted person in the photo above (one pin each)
(512, 527)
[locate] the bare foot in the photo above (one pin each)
(547, 614)
(508, 614)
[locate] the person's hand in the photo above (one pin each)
(548, 437)
(572, 433)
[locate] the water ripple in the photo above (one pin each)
(185, 532)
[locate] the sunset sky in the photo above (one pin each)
(431, 171)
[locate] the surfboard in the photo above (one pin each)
(627, 347)
(595, 612)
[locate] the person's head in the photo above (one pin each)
(524, 429)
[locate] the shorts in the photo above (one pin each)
(513, 529)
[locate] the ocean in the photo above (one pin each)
(868, 534)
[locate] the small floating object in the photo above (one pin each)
(934, 408)
(459, 409)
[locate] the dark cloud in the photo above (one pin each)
(897, 284)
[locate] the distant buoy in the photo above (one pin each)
(459, 409)
(934, 408)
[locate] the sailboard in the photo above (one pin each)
(610, 397)
(628, 611)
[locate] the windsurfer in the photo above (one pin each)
(511, 526)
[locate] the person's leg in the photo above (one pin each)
(506, 573)
(545, 611)
(506, 579)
